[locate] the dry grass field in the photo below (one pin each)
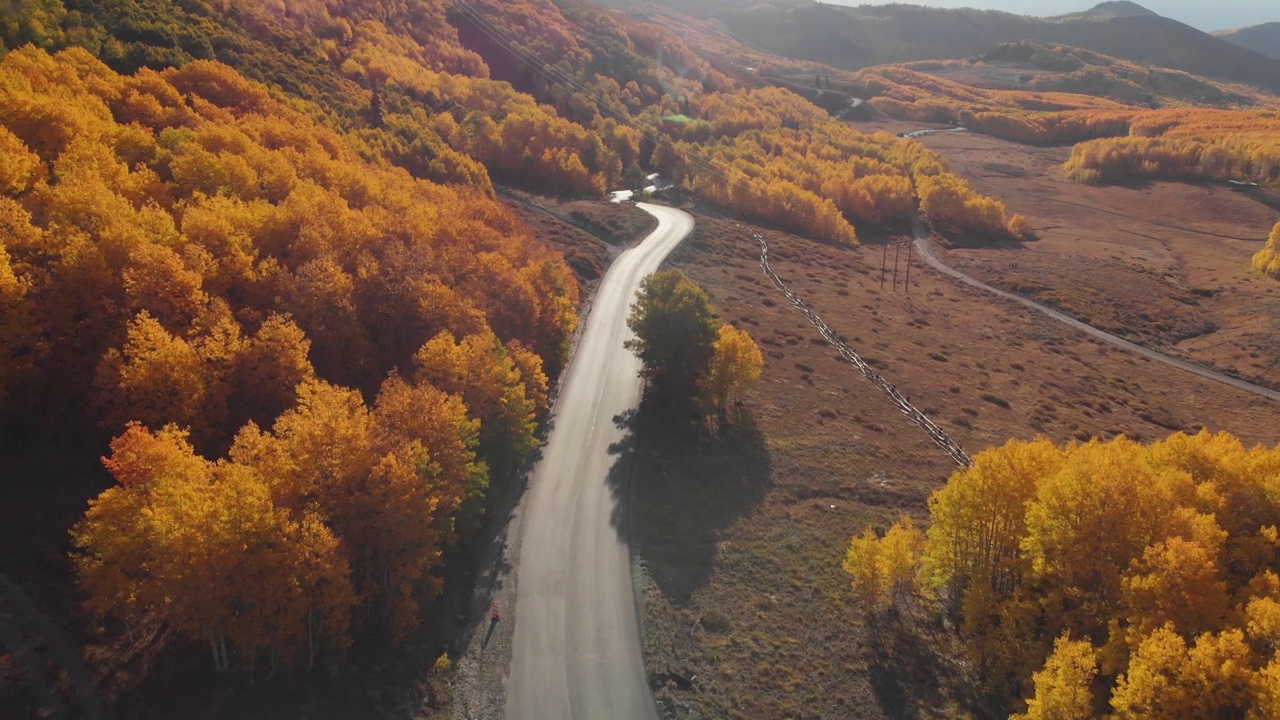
(742, 537)
(1164, 264)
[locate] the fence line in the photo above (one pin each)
(914, 416)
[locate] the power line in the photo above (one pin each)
(914, 416)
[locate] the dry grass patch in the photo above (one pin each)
(1164, 264)
(767, 565)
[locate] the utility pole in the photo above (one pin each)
(910, 247)
(897, 248)
(884, 256)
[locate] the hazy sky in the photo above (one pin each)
(1208, 15)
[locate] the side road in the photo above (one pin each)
(922, 245)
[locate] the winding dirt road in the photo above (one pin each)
(576, 650)
(922, 245)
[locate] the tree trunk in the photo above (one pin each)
(311, 637)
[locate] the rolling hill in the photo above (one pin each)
(872, 35)
(1264, 38)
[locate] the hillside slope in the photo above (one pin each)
(872, 35)
(1263, 39)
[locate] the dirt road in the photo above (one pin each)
(576, 650)
(922, 245)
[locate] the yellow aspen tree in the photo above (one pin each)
(157, 281)
(426, 473)
(898, 563)
(861, 562)
(1064, 687)
(977, 520)
(1087, 522)
(1267, 260)
(19, 167)
(1266, 704)
(267, 370)
(736, 363)
(482, 371)
(1177, 582)
(1262, 613)
(156, 378)
(882, 568)
(1166, 680)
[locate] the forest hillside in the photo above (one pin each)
(253, 259)
(856, 37)
(1263, 39)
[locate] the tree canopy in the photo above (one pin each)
(675, 330)
(1150, 566)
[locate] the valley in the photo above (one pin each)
(323, 393)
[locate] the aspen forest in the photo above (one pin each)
(1110, 577)
(311, 364)
(241, 240)
(1115, 141)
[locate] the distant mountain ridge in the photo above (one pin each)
(1263, 39)
(856, 37)
(1113, 9)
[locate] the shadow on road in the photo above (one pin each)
(678, 485)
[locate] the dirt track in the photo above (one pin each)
(922, 244)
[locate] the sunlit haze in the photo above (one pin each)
(1203, 14)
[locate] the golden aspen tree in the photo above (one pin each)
(883, 568)
(156, 378)
(1167, 680)
(321, 297)
(318, 451)
(1063, 689)
(1262, 613)
(1267, 687)
(430, 473)
(19, 167)
(529, 364)
(267, 369)
(736, 363)
(157, 281)
(1086, 523)
(861, 563)
(899, 558)
(1267, 260)
(480, 369)
(201, 546)
(1177, 583)
(978, 520)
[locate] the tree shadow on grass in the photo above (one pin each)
(679, 485)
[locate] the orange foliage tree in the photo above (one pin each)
(1159, 558)
(191, 253)
(1267, 260)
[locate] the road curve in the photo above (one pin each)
(922, 245)
(576, 652)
